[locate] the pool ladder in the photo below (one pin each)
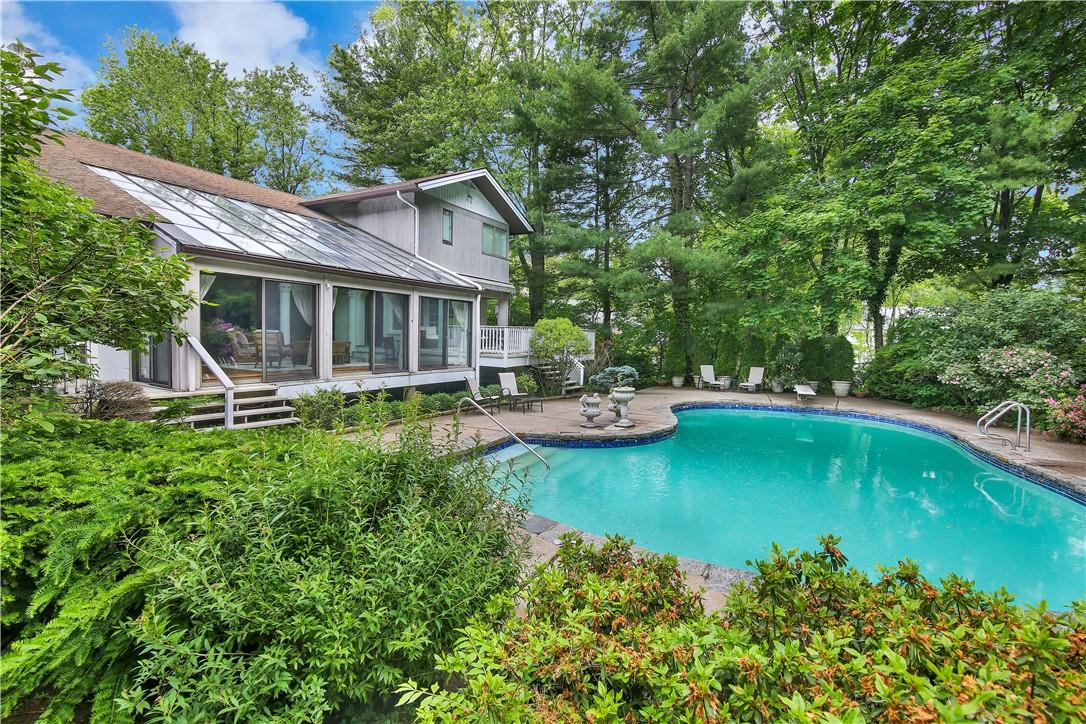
(511, 434)
(987, 419)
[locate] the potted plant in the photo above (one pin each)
(674, 366)
(841, 387)
(859, 392)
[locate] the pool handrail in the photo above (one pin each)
(987, 419)
(499, 424)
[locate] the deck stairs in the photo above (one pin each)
(254, 406)
(549, 373)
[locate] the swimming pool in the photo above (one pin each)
(730, 482)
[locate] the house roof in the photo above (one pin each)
(217, 216)
(481, 177)
(68, 162)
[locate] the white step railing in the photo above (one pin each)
(224, 380)
(987, 419)
(506, 342)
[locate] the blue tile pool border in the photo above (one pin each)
(1052, 484)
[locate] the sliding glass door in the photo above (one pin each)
(256, 329)
(444, 333)
(153, 365)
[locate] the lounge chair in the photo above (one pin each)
(512, 393)
(804, 392)
(708, 378)
(754, 380)
(494, 402)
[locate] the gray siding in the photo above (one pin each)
(387, 218)
(465, 255)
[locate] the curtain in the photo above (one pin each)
(458, 334)
(303, 301)
(206, 280)
(335, 297)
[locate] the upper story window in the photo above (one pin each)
(447, 226)
(495, 241)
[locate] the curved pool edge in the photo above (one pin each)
(1043, 479)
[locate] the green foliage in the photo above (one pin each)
(557, 343)
(825, 359)
(674, 362)
(323, 408)
(610, 636)
(526, 382)
(611, 377)
(70, 276)
(29, 101)
(1068, 416)
(978, 351)
(276, 574)
(172, 101)
(329, 587)
(78, 504)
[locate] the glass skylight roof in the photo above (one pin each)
(217, 223)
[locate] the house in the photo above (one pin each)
(381, 287)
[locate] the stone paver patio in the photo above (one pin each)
(1062, 464)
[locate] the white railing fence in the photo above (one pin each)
(506, 342)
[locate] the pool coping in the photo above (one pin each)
(1044, 479)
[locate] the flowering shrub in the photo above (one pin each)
(1025, 374)
(609, 636)
(1068, 416)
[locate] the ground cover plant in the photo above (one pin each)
(608, 635)
(333, 408)
(277, 575)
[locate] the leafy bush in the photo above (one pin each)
(608, 636)
(323, 408)
(526, 382)
(1069, 416)
(825, 359)
(326, 588)
(133, 548)
(953, 356)
(674, 363)
(558, 343)
(611, 377)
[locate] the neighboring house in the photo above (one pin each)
(377, 287)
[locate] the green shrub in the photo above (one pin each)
(825, 359)
(608, 636)
(526, 382)
(131, 548)
(952, 356)
(674, 363)
(78, 504)
(323, 408)
(327, 588)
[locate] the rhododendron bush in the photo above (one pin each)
(1069, 416)
(1011, 344)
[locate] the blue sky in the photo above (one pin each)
(244, 34)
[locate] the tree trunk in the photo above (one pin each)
(882, 279)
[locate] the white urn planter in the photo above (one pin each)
(841, 387)
(623, 396)
(677, 381)
(726, 382)
(590, 410)
(813, 384)
(777, 386)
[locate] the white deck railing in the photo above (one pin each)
(506, 342)
(222, 377)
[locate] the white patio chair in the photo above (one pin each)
(804, 392)
(708, 378)
(754, 379)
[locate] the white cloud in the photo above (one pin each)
(15, 24)
(245, 35)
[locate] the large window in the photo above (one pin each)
(495, 241)
(447, 226)
(369, 331)
(258, 329)
(444, 333)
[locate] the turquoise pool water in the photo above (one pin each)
(730, 482)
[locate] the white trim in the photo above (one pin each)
(469, 176)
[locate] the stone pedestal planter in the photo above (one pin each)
(841, 387)
(777, 386)
(678, 381)
(726, 383)
(623, 396)
(590, 410)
